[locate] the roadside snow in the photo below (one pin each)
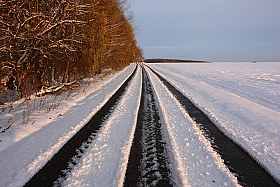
(26, 148)
(105, 161)
(243, 99)
(195, 160)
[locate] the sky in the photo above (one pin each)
(211, 30)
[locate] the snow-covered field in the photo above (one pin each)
(243, 99)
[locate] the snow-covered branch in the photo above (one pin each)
(43, 42)
(59, 24)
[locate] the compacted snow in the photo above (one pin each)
(243, 99)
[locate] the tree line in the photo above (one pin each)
(170, 60)
(51, 42)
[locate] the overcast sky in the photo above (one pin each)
(212, 30)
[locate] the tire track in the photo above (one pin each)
(239, 162)
(56, 167)
(148, 163)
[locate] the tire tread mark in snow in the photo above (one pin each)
(239, 162)
(148, 165)
(53, 170)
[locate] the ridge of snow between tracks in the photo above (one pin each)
(105, 160)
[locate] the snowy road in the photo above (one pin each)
(189, 156)
(149, 164)
(69, 155)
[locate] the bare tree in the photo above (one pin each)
(49, 42)
(35, 36)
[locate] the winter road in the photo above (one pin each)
(53, 170)
(152, 159)
(148, 163)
